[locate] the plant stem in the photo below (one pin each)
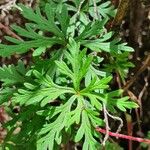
(117, 135)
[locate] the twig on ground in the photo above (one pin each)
(142, 93)
(118, 79)
(7, 6)
(106, 124)
(146, 64)
(116, 118)
(9, 32)
(144, 89)
(30, 3)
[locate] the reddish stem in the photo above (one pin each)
(124, 136)
(9, 32)
(129, 128)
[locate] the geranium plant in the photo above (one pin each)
(64, 93)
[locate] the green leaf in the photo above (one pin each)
(92, 29)
(94, 101)
(123, 104)
(105, 9)
(89, 142)
(24, 46)
(44, 93)
(11, 75)
(112, 46)
(51, 26)
(32, 34)
(80, 134)
(39, 51)
(97, 84)
(116, 93)
(63, 18)
(63, 68)
(85, 67)
(6, 94)
(54, 93)
(30, 86)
